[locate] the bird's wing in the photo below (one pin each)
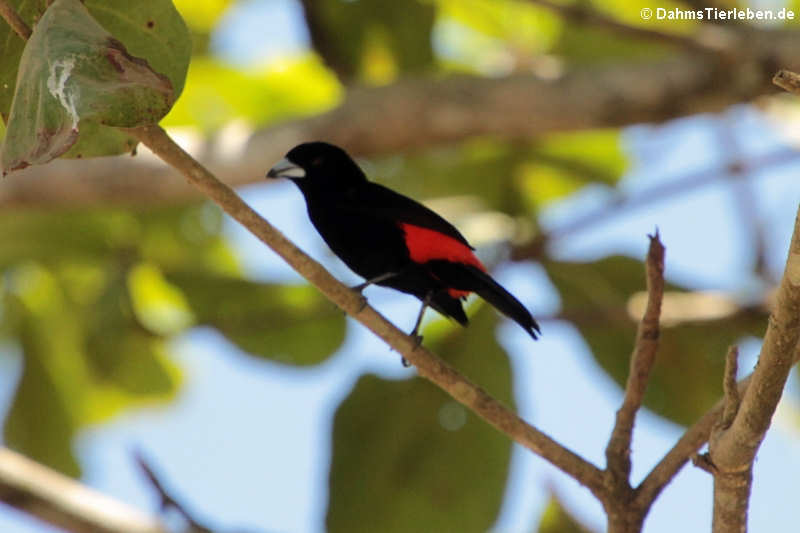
(382, 203)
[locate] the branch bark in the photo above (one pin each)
(428, 365)
(65, 503)
(417, 114)
(621, 515)
(735, 441)
(14, 20)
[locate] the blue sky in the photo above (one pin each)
(272, 476)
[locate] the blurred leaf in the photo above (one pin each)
(159, 306)
(73, 70)
(65, 301)
(396, 35)
(514, 178)
(687, 376)
(493, 37)
(556, 519)
(293, 325)
(217, 93)
(585, 45)
(83, 362)
(175, 237)
(202, 14)
(564, 162)
(483, 168)
(407, 457)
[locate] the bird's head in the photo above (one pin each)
(318, 164)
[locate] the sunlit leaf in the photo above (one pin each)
(493, 37)
(85, 359)
(202, 14)
(687, 376)
(158, 305)
(407, 457)
(562, 163)
(217, 93)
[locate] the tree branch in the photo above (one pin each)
(708, 41)
(14, 20)
(417, 114)
(698, 434)
(732, 449)
(65, 503)
(644, 353)
(622, 516)
(730, 389)
(788, 81)
(428, 365)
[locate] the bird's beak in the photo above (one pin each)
(286, 169)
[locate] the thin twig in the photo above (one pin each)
(14, 20)
(622, 516)
(578, 13)
(703, 462)
(428, 365)
(699, 433)
(642, 360)
(730, 388)
(733, 449)
(167, 500)
(65, 503)
(687, 446)
(788, 81)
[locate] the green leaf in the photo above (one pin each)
(84, 361)
(73, 73)
(293, 325)
(556, 519)
(687, 376)
(562, 163)
(12, 45)
(174, 237)
(217, 94)
(378, 39)
(407, 457)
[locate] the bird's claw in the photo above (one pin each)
(362, 300)
(417, 338)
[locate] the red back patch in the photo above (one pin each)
(428, 245)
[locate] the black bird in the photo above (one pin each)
(390, 239)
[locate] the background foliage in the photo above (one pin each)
(93, 297)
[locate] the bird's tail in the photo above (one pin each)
(468, 277)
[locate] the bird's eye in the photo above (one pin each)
(316, 162)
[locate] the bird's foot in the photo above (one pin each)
(404, 362)
(417, 338)
(362, 299)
